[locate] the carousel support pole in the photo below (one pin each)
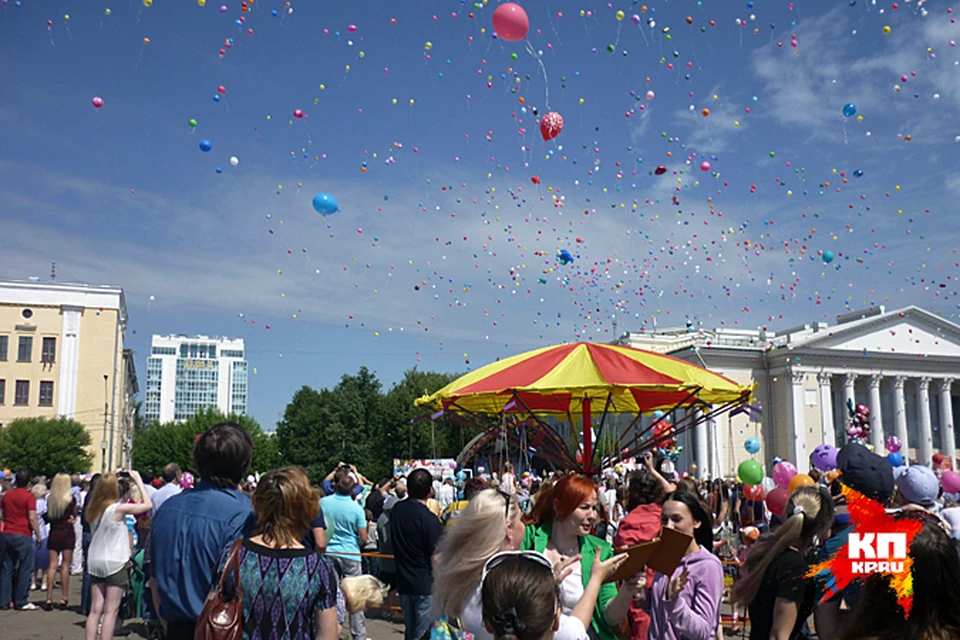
(587, 438)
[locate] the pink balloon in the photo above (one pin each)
(893, 444)
(704, 166)
(950, 481)
(510, 22)
(783, 472)
(97, 102)
(351, 28)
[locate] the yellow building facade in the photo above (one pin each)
(62, 354)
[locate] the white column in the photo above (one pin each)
(900, 416)
(925, 446)
(703, 448)
(797, 426)
(826, 409)
(69, 361)
(716, 462)
(946, 421)
(848, 391)
(876, 419)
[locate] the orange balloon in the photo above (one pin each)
(833, 475)
(800, 480)
(705, 112)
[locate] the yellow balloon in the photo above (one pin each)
(106, 11)
(428, 46)
(859, 118)
(394, 101)
(148, 3)
(619, 15)
(66, 16)
(886, 30)
(202, 3)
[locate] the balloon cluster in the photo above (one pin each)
(564, 257)
(894, 457)
(859, 428)
(666, 441)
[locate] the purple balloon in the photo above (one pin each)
(893, 444)
(824, 457)
(223, 8)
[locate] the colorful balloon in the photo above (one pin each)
(782, 473)
(704, 166)
(777, 501)
(893, 444)
(895, 458)
(827, 256)
(551, 125)
(659, 171)
(752, 445)
(824, 457)
(325, 204)
(97, 102)
(205, 145)
(510, 22)
(754, 492)
(950, 481)
(192, 122)
(849, 110)
(800, 480)
(750, 472)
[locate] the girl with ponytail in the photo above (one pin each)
(774, 585)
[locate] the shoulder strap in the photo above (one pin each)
(233, 562)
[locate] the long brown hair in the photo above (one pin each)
(810, 512)
(520, 599)
(285, 504)
(106, 493)
(936, 591)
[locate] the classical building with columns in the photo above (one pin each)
(901, 364)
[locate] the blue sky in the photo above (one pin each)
(443, 255)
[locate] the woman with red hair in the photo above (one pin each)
(562, 533)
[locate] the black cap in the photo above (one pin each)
(865, 472)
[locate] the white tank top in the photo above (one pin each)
(110, 545)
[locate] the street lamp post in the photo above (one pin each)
(103, 441)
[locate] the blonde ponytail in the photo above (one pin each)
(809, 510)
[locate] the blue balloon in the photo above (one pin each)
(828, 256)
(752, 445)
(849, 110)
(895, 458)
(325, 204)
(565, 257)
(461, 475)
(205, 145)
(216, 98)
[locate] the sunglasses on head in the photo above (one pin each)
(509, 499)
(496, 559)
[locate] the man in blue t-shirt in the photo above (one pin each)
(347, 533)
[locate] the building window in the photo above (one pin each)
(49, 351)
(27, 314)
(3, 391)
(46, 394)
(22, 396)
(25, 349)
(4, 343)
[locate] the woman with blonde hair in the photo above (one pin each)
(61, 514)
(489, 525)
(110, 549)
(773, 584)
(275, 566)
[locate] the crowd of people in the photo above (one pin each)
(498, 556)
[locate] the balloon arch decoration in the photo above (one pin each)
(529, 401)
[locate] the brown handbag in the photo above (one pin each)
(222, 619)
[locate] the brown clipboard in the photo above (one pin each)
(662, 554)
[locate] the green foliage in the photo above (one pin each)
(356, 423)
(46, 446)
(157, 444)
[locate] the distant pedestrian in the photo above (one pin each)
(171, 487)
(61, 516)
(348, 522)
(18, 511)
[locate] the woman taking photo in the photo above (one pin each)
(286, 504)
(562, 532)
(686, 605)
(110, 549)
(61, 514)
(492, 524)
(773, 583)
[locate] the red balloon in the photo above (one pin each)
(221, 89)
(97, 102)
(510, 22)
(298, 114)
(551, 125)
(753, 492)
(777, 501)
(660, 170)
(535, 179)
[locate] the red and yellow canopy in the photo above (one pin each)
(556, 380)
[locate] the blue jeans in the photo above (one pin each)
(85, 586)
(417, 616)
(19, 551)
(348, 567)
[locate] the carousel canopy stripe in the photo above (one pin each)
(555, 380)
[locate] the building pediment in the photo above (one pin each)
(910, 331)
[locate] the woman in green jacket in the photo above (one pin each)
(561, 531)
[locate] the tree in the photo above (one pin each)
(46, 446)
(157, 444)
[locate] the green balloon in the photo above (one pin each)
(192, 122)
(750, 472)
(513, 56)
